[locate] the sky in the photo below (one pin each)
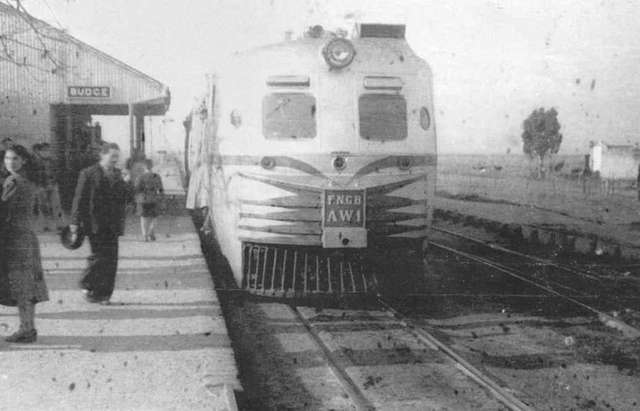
(493, 61)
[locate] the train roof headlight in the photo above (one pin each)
(339, 53)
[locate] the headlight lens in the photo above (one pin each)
(404, 163)
(268, 163)
(339, 53)
(339, 163)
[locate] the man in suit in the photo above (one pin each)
(99, 209)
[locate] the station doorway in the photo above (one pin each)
(75, 142)
(77, 139)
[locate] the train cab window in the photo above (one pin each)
(383, 117)
(289, 116)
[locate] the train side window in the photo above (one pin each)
(383, 117)
(289, 116)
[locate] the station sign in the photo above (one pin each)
(89, 92)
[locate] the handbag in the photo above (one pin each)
(65, 238)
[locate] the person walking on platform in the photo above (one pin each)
(148, 194)
(23, 280)
(37, 169)
(99, 210)
(49, 193)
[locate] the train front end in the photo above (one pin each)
(322, 153)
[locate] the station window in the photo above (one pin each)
(383, 117)
(289, 116)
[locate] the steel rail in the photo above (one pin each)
(607, 319)
(512, 252)
(360, 401)
(352, 389)
(497, 247)
(498, 295)
(500, 393)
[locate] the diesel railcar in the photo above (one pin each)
(312, 154)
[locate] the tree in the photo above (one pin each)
(30, 33)
(541, 136)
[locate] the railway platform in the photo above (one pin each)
(161, 344)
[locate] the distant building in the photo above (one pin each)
(51, 84)
(616, 162)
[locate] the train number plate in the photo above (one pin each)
(343, 219)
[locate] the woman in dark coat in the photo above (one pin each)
(148, 192)
(24, 275)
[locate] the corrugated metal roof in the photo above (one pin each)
(64, 36)
(42, 67)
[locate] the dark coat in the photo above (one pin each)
(22, 262)
(99, 204)
(148, 188)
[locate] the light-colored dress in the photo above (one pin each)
(23, 263)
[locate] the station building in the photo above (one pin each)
(51, 84)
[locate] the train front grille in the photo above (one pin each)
(290, 271)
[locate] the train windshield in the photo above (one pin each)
(289, 116)
(383, 117)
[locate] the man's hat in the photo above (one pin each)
(65, 239)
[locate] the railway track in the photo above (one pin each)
(369, 377)
(538, 260)
(549, 283)
(501, 394)
(355, 377)
(550, 277)
(355, 393)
